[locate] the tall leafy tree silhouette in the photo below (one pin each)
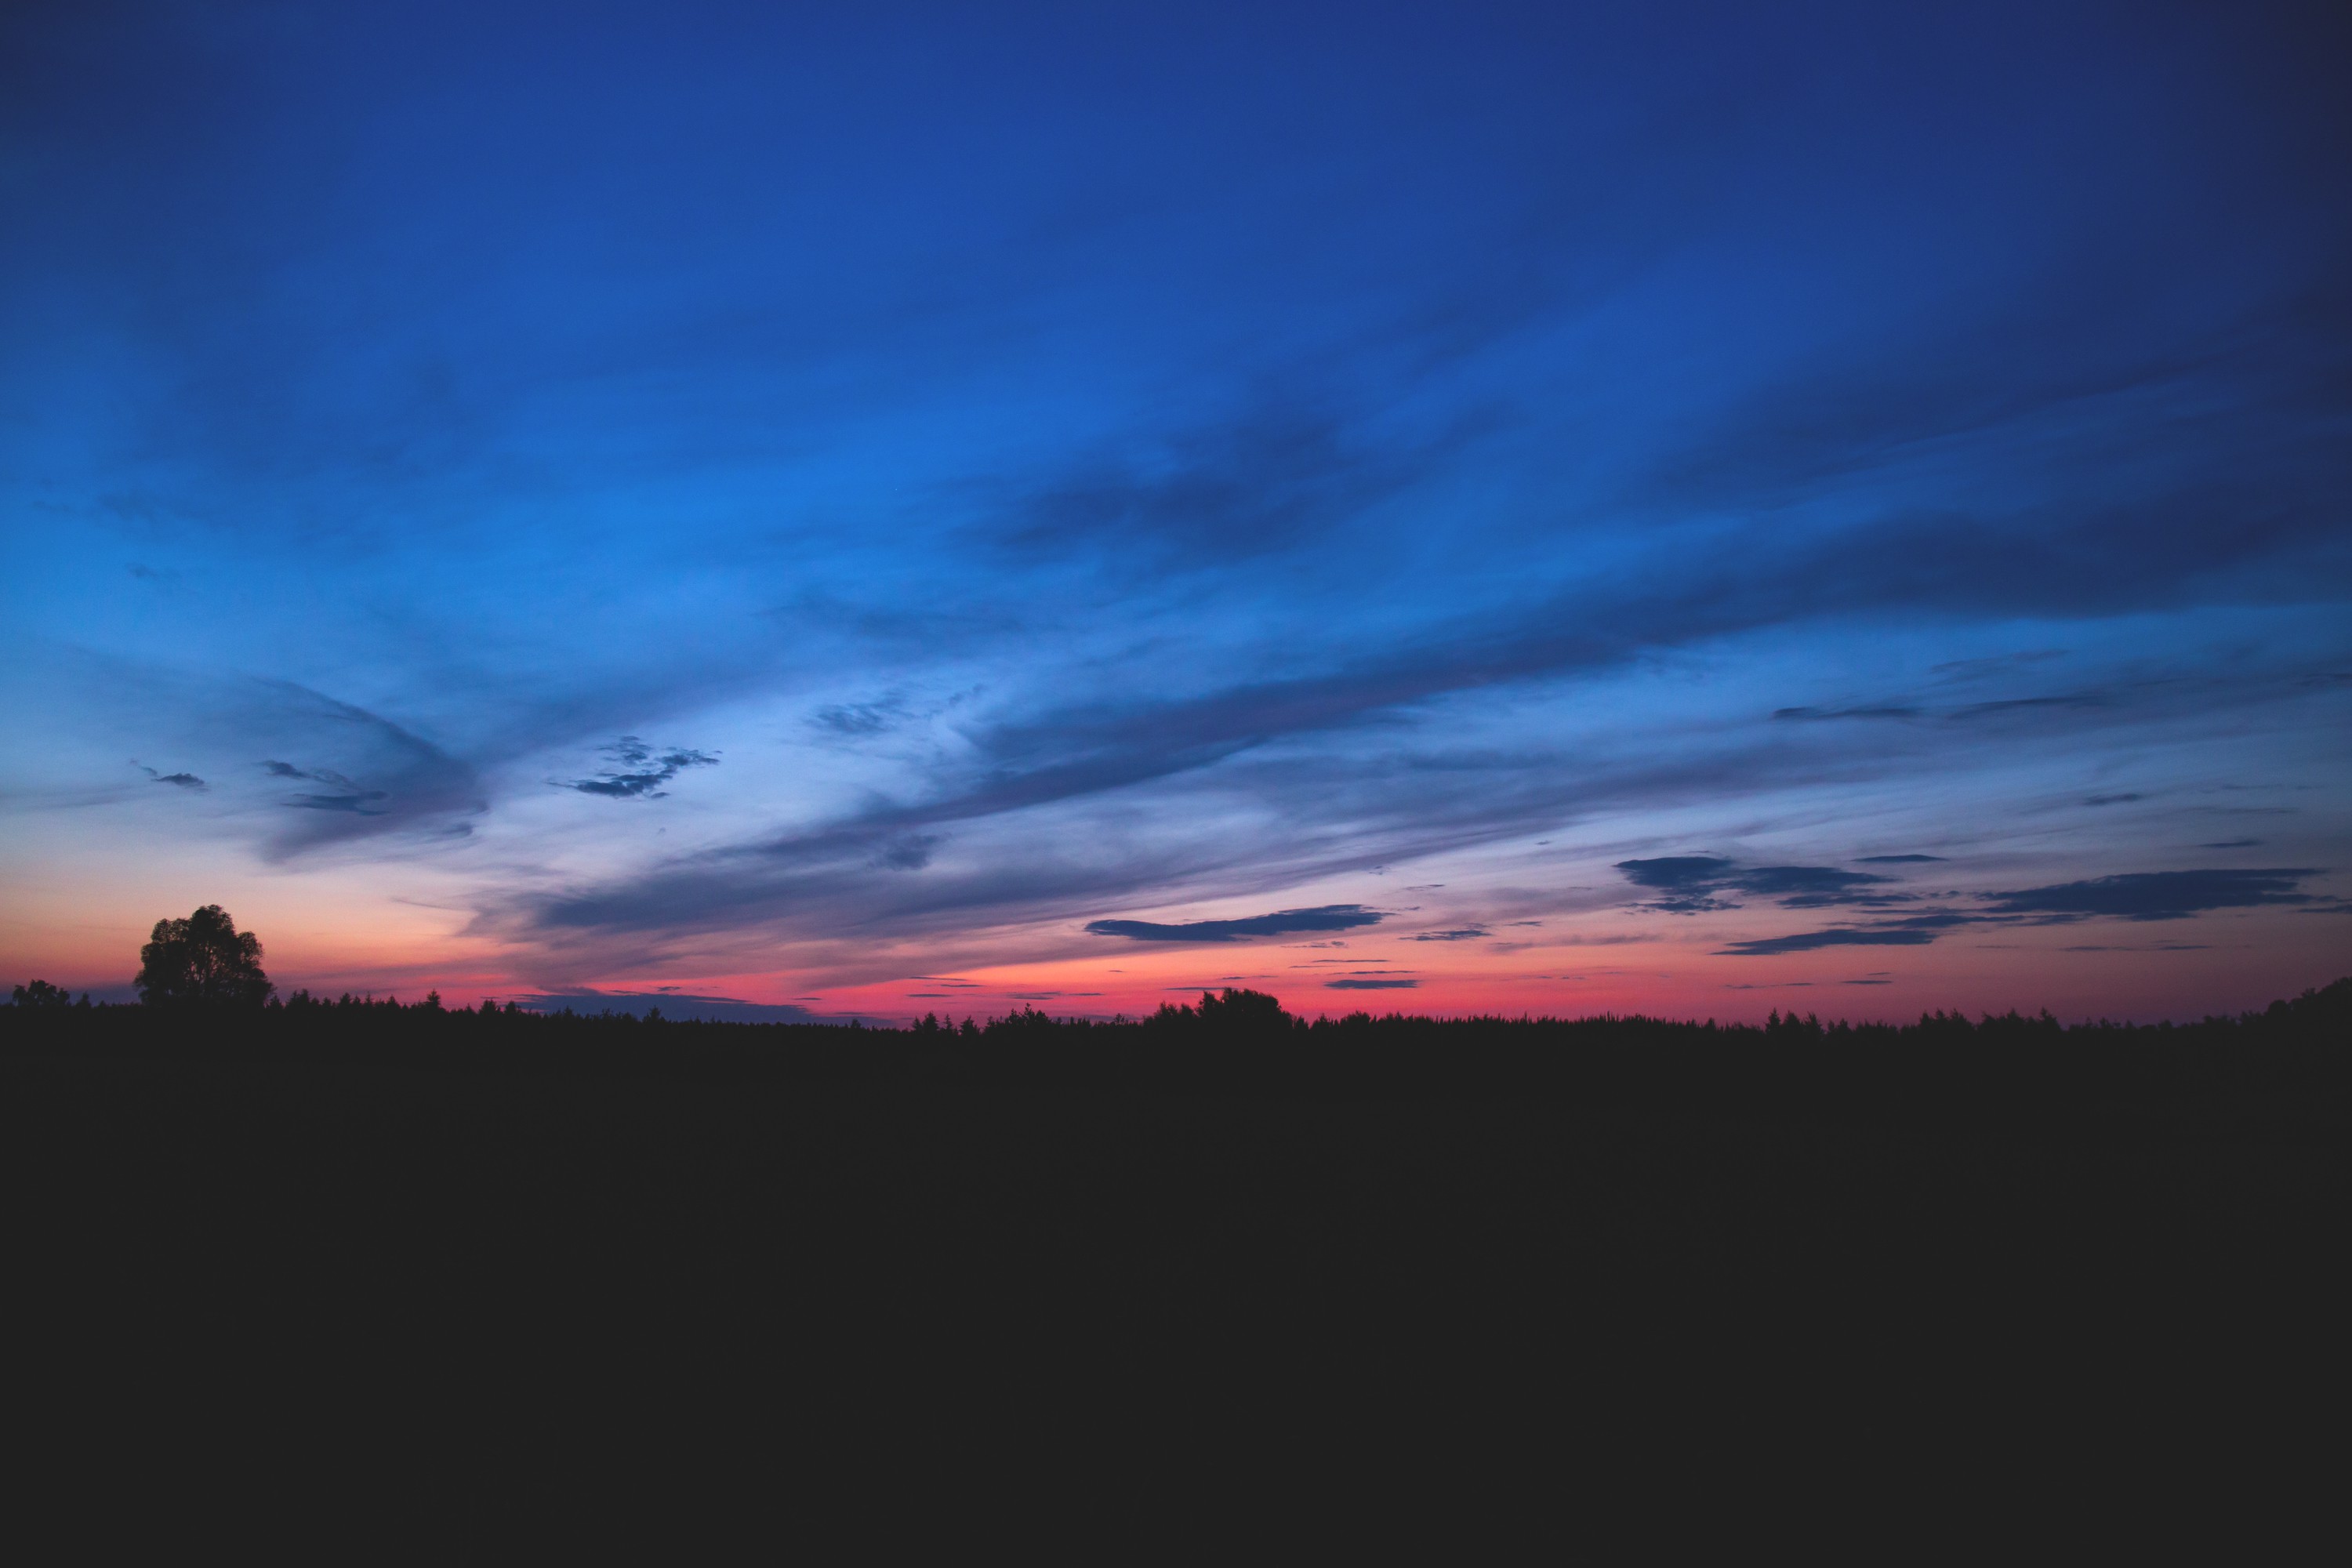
(1238, 1009)
(41, 995)
(204, 959)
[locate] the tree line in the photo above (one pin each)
(204, 994)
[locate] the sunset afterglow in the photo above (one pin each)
(1684, 511)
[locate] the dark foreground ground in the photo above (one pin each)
(1677, 1246)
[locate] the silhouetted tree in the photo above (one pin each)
(203, 960)
(41, 993)
(1238, 1009)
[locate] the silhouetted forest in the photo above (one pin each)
(1475, 1241)
(2296, 1053)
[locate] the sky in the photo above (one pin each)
(821, 511)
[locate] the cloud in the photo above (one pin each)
(1678, 872)
(645, 782)
(1688, 881)
(2028, 704)
(2158, 895)
(1187, 494)
(911, 853)
(2118, 517)
(1010, 764)
(1369, 985)
(1907, 931)
(1269, 477)
(1804, 887)
(2111, 799)
(1921, 454)
(1464, 934)
(859, 719)
(1037, 866)
(1329, 917)
(361, 804)
(2135, 896)
(1817, 713)
(179, 781)
(1897, 859)
(1693, 883)
(349, 795)
(1036, 799)
(1998, 664)
(2121, 697)
(1807, 942)
(1085, 750)
(384, 777)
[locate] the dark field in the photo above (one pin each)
(1467, 1232)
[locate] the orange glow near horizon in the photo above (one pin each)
(333, 932)
(1666, 978)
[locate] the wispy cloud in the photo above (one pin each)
(1693, 884)
(1400, 497)
(391, 779)
(2133, 896)
(348, 796)
(1820, 713)
(1269, 477)
(641, 772)
(861, 719)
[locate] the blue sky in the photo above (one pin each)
(816, 507)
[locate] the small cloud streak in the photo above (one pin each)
(1328, 917)
(1810, 940)
(1814, 713)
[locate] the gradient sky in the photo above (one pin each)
(871, 509)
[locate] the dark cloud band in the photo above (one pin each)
(1286, 922)
(2158, 895)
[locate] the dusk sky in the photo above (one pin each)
(875, 508)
